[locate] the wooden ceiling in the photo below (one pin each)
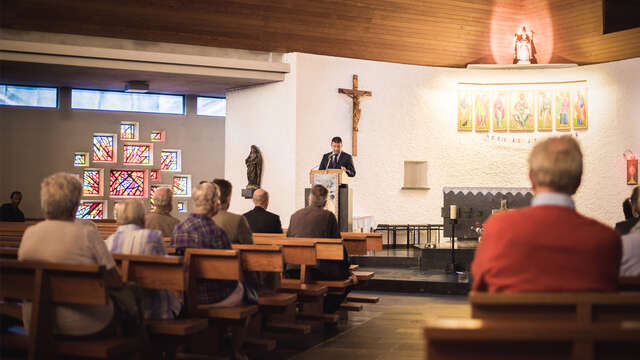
(430, 32)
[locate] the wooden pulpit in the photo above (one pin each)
(340, 197)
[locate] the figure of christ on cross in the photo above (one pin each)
(355, 95)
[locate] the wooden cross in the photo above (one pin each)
(355, 94)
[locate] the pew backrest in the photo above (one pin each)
(153, 272)
(266, 258)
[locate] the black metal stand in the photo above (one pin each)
(453, 267)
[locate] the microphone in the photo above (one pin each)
(328, 160)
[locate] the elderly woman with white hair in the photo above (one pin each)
(132, 238)
(59, 239)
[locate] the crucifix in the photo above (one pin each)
(355, 94)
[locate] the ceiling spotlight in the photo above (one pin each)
(136, 86)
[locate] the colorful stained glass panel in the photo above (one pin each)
(182, 206)
(81, 159)
(182, 185)
(104, 146)
(170, 160)
(128, 183)
(92, 182)
(154, 175)
(157, 135)
(128, 130)
(137, 154)
(92, 210)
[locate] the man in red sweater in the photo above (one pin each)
(548, 246)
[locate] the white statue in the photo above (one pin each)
(524, 50)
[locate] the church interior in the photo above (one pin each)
(423, 128)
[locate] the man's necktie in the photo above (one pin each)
(334, 161)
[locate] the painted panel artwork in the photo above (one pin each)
(137, 154)
(482, 112)
(521, 111)
(92, 182)
(182, 207)
(544, 103)
(182, 185)
(579, 107)
(465, 110)
(154, 175)
(128, 130)
(104, 146)
(158, 135)
(562, 112)
(499, 111)
(128, 183)
(170, 160)
(81, 159)
(331, 182)
(91, 210)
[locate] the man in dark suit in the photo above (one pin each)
(338, 159)
(623, 227)
(260, 220)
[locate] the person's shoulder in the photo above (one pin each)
(346, 154)
(597, 228)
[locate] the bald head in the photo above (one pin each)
(261, 198)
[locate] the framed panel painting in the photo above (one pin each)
(500, 111)
(544, 110)
(465, 110)
(579, 109)
(562, 113)
(521, 111)
(481, 113)
(331, 182)
(127, 183)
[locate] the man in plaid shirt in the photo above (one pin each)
(200, 231)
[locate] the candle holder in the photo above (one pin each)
(453, 267)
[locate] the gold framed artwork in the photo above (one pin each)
(481, 114)
(499, 111)
(563, 110)
(544, 110)
(465, 110)
(521, 111)
(579, 109)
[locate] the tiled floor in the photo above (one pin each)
(391, 329)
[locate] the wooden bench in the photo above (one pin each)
(579, 307)
(463, 339)
(47, 285)
(161, 273)
(361, 243)
(629, 283)
(8, 253)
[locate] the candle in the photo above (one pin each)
(453, 212)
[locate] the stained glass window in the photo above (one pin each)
(170, 160)
(92, 210)
(104, 146)
(92, 182)
(182, 185)
(137, 154)
(154, 188)
(128, 130)
(154, 175)
(128, 183)
(81, 159)
(158, 135)
(182, 206)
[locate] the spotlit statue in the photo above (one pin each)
(524, 50)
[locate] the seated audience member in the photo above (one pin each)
(160, 218)
(234, 225)
(548, 246)
(60, 239)
(630, 264)
(624, 227)
(316, 222)
(10, 210)
(132, 238)
(198, 230)
(260, 220)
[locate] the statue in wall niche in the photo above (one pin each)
(254, 171)
(524, 50)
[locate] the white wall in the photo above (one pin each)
(37, 142)
(264, 116)
(412, 116)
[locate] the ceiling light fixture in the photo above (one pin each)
(136, 86)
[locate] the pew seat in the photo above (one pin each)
(278, 299)
(292, 285)
(229, 313)
(364, 275)
(363, 299)
(177, 327)
(109, 348)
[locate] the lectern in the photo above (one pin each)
(340, 197)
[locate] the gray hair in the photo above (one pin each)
(162, 197)
(203, 196)
(635, 199)
(130, 212)
(260, 197)
(60, 196)
(318, 196)
(557, 163)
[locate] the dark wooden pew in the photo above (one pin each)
(360, 243)
(579, 307)
(463, 339)
(47, 285)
